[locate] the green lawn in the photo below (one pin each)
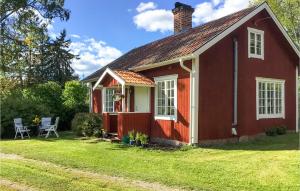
(272, 163)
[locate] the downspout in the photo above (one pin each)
(235, 87)
(191, 93)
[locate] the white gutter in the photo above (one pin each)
(193, 100)
(163, 63)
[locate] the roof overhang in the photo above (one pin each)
(119, 79)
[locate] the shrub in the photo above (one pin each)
(131, 135)
(281, 130)
(272, 131)
(144, 139)
(87, 124)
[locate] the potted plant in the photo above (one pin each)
(131, 137)
(144, 140)
(138, 139)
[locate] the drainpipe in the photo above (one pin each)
(193, 107)
(235, 87)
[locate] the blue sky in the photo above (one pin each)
(103, 30)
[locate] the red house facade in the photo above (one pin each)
(229, 78)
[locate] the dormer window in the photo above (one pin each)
(255, 43)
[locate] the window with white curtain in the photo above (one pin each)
(270, 98)
(108, 101)
(255, 43)
(166, 97)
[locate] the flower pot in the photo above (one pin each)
(132, 142)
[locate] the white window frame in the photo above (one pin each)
(270, 116)
(163, 79)
(104, 109)
(256, 32)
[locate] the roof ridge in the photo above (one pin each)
(196, 29)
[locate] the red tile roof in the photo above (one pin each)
(133, 78)
(174, 46)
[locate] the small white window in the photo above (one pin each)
(166, 97)
(109, 105)
(270, 98)
(255, 43)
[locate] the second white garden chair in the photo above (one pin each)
(20, 128)
(52, 128)
(46, 121)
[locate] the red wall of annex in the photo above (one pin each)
(173, 130)
(216, 82)
(97, 105)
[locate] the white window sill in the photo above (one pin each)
(256, 56)
(169, 118)
(270, 117)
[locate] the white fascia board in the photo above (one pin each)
(113, 74)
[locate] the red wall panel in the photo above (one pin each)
(216, 82)
(174, 130)
(97, 101)
(139, 122)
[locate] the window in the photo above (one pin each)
(270, 98)
(108, 101)
(255, 43)
(166, 97)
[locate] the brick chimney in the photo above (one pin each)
(182, 17)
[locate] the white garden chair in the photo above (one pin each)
(20, 128)
(46, 121)
(52, 128)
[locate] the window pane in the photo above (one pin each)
(165, 97)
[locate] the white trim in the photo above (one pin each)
(297, 99)
(162, 79)
(195, 99)
(128, 99)
(89, 85)
(168, 77)
(123, 99)
(256, 32)
(103, 99)
(270, 116)
(113, 74)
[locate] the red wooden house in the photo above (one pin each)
(229, 78)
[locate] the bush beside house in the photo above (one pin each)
(48, 99)
(87, 124)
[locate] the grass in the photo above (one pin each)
(271, 163)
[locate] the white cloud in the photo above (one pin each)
(152, 19)
(93, 55)
(145, 6)
(215, 9)
(155, 20)
(75, 35)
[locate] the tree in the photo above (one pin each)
(288, 13)
(56, 61)
(23, 32)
